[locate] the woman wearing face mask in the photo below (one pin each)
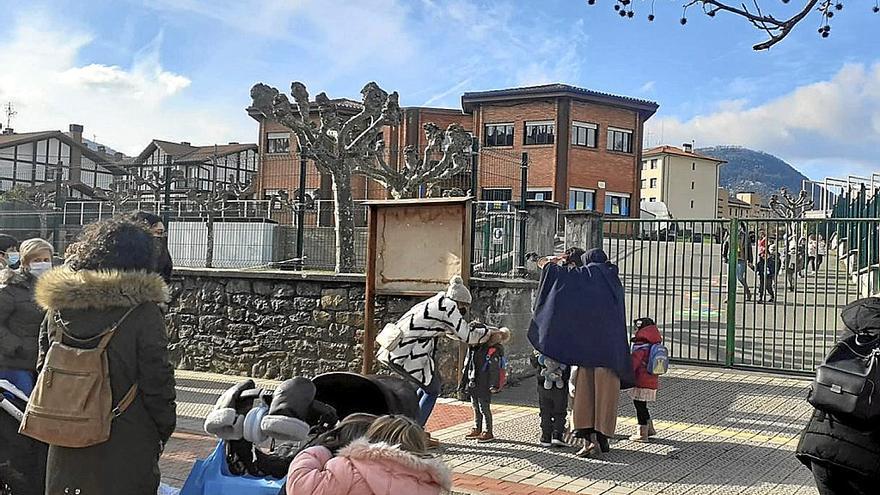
(9, 256)
(20, 317)
(164, 266)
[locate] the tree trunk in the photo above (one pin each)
(44, 226)
(345, 253)
(209, 245)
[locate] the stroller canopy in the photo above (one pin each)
(352, 393)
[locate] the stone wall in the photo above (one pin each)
(284, 324)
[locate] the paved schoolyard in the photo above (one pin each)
(720, 432)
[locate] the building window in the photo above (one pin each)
(693, 184)
(539, 133)
(278, 142)
(499, 135)
(693, 165)
(653, 183)
(654, 163)
(619, 140)
(583, 134)
(543, 195)
(496, 195)
(644, 183)
(581, 199)
(617, 204)
(692, 204)
(653, 200)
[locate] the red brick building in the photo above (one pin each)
(584, 147)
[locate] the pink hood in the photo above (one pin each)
(389, 470)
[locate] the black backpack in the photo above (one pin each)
(847, 383)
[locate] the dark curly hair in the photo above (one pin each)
(114, 244)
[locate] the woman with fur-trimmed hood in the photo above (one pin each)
(105, 278)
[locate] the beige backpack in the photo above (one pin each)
(72, 403)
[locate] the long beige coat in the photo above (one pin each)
(595, 393)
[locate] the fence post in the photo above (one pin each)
(475, 157)
(301, 214)
(167, 199)
(523, 214)
(732, 258)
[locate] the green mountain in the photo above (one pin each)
(754, 171)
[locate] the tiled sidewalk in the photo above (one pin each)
(720, 432)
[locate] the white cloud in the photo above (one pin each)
(345, 34)
(125, 107)
(835, 121)
(648, 87)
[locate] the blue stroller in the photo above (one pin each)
(22, 459)
(261, 432)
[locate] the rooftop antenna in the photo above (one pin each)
(10, 112)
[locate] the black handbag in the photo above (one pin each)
(846, 383)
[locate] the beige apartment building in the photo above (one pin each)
(685, 181)
(741, 205)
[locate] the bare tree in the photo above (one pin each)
(776, 26)
(156, 182)
(343, 148)
(420, 169)
(41, 198)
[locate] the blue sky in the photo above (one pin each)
(132, 70)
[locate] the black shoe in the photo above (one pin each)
(546, 442)
(602, 440)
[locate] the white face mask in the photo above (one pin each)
(38, 268)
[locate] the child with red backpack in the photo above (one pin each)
(484, 373)
(650, 359)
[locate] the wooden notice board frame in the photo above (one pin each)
(414, 246)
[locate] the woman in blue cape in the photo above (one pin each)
(579, 319)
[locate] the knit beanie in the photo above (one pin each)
(457, 290)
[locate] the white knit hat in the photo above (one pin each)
(457, 290)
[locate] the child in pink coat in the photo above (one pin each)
(389, 460)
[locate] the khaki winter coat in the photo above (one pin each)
(89, 302)
(20, 320)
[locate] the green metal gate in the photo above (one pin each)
(701, 281)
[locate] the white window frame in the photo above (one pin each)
(608, 145)
(541, 190)
(653, 182)
(527, 123)
(586, 125)
(584, 190)
(499, 124)
(277, 135)
(618, 195)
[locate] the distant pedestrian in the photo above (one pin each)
(793, 262)
(647, 335)
(821, 252)
(164, 264)
(390, 459)
(744, 257)
(105, 285)
(20, 316)
(812, 253)
(766, 269)
(480, 378)
(9, 255)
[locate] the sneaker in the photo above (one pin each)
(486, 437)
(474, 434)
(546, 442)
(560, 443)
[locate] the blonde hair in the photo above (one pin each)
(31, 247)
(400, 431)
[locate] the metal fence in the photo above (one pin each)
(292, 222)
(749, 293)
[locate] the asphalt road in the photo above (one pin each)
(684, 287)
